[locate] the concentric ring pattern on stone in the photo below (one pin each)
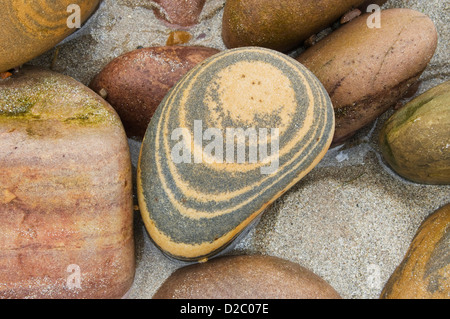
(196, 196)
(30, 28)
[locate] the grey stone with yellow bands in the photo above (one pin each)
(192, 210)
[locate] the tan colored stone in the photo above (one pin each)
(31, 28)
(368, 70)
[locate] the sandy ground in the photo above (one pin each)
(350, 220)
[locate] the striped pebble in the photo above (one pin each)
(232, 136)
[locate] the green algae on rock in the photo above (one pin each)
(368, 70)
(415, 140)
(29, 93)
(65, 190)
(280, 25)
(195, 201)
(245, 277)
(424, 272)
(179, 13)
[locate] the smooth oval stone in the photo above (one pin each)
(30, 28)
(181, 13)
(368, 70)
(425, 271)
(66, 208)
(245, 277)
(197, 196)
(136, 82)
(415, 140)
(280, 25)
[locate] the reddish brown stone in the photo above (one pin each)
(30, 28)
(245, 277)
(136, 82)
(183, 13)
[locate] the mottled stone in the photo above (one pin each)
(280, 25)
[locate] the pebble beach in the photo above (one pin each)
(350, 220)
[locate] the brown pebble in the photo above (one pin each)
(103, 93)
(136, 82)
(183, 13)
(425, 271)
(280, 25)
(245, 277)
(412, 90)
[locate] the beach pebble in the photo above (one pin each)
(415, 140)
(245, 277)
(280, 25)
(136, 82)
(199, 188)
(367, 70)
(424, 272)
(66, 214)
(30, 29)
(181, 13)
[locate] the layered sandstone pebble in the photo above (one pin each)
(66, 214)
